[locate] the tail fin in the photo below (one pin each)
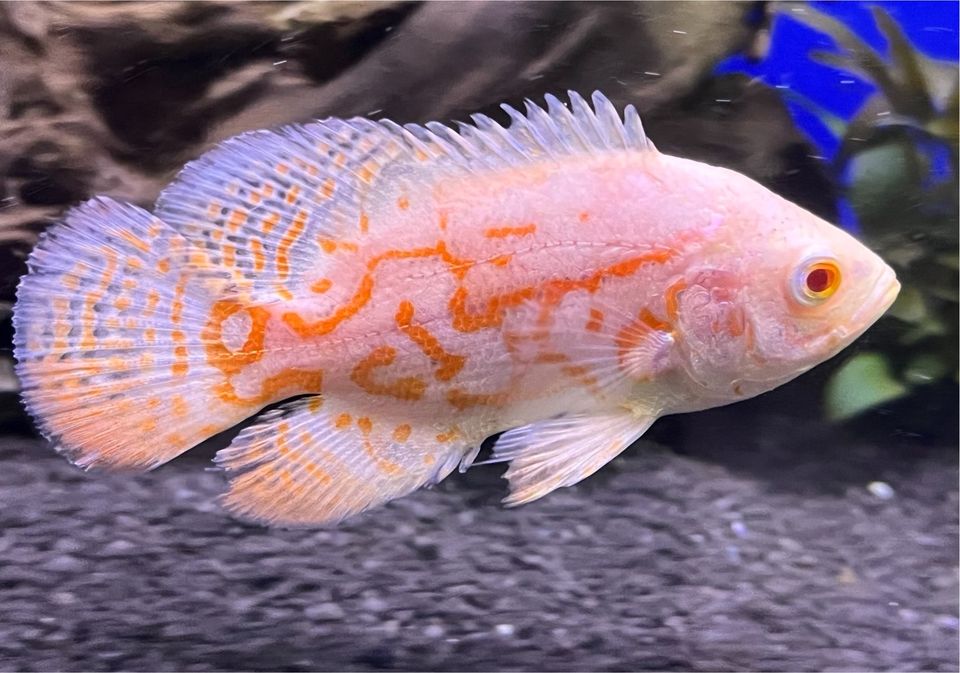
(108, 342)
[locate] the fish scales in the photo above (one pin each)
(417, 289)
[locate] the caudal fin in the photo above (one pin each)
(109, 339)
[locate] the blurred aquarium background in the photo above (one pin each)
(812, 528)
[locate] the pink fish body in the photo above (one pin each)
(419, 289)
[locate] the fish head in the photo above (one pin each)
(777, 291)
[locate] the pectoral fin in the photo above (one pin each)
(561, 451)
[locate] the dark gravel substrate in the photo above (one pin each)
(766, 551)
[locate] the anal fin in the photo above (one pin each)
(314, 462)
(562, 451)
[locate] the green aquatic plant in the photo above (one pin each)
(897, 168)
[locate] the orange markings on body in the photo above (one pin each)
(407, 388)
(501, 260)
(163, 265)
(552, 291)
(584, 216)
(551, 358)
(364, 222)
(463, 400)
(365, 425)
(651, 321)
(321, 286)
(492, 315)
(504, 232)
(734, 324)
(315, 404)
(671, 299)
(595, 322)
(450, 435)
(282, 168)
(328, 245)
(274, 387)
(403, 203)
(343, 421)
(122, 303)
(218, 355)
(450, 365)
(401, 433)
(443, 221)
(364, 292)
(580, 374)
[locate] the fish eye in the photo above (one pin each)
(815, 281)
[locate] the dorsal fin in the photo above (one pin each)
(538, 134)
(263, 203)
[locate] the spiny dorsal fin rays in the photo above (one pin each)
(564, 118)
(633, 127)
(556, 131)
(609, 121)
(470, 150)
(532, 134)
(587, 120)
(494, 136)
(542, 118)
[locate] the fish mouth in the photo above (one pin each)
(886, 288)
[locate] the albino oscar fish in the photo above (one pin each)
(412, 290)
